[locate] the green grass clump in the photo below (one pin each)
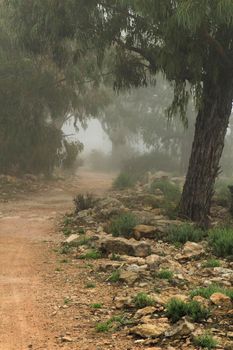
(123, 181)
(222, 193)
(206, 292)
(165, 274)
(205, 341)
(123, 225)
(221, 241)
(142, 300)
(96, 306)
(170, 191)
(91, 255)
(177, 308)
(184, 233)
(103, 327)
(211, 263)
(114, 277)
(90, 285)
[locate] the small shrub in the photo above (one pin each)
(103, 327)
(177, 308)
(205, 341)
(142, 300)
(206, 292)
(84, 202)
(65, 249)
(90, 285)
(170, 191)
(165, 274)
(92, 255)
(221, 240)
(97, 306)
(114, 277)
(222, 193)
(123, 225)
(211, 263)
(115, 257)
(123, 181)
(184, 233)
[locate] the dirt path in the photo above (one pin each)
(28, 289)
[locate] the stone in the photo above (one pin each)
(148, 330)
(144, 231)
(131, 260)
(120, 245)
(72, 238)
(128, 277)
(221, 300)
(181, 328)
(153, 261)
(192, 250)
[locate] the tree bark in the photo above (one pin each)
(210, 130)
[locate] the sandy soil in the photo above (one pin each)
(29, 287)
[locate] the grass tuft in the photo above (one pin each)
(123, 225)
(205, 341)
(221, 241)
(123, 180)
(176, 309)
(184, 233)
(142, 300)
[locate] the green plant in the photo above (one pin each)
(177, 308)
(206, 341)
(211, 263)
(170, 190)
(115, 257)
(142, 300)
(206, 292)
(90, 285)
(165, 274)
(65, 249)
(92, 255)
(97, 306)
(84, 202)
(221, 241)
(123, 225)
(183, 233)
(114, 277)
(67, 301)
(222, 193)
(103, 327)
(124, 180)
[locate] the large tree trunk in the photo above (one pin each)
(210, 130)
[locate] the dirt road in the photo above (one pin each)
(27, 233)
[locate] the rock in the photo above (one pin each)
(67, 339)
(148, 330)
(72, 238)
(192, 250)
(153, 261)
(182, 328)
(144, 231)
(128, 277)
(148, 310)
(221, 300)
(131, 260)
(120, 245)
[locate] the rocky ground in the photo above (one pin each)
(126, 284)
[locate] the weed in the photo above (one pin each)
(103, 327)
(123, 180)
(114, 277)
(115, 257)
(142, 300)
(206, 292)
(90, 285)
(123, 225)
(65, 249)
(221, 240)
(184, 233)
(84, 202)
(170, 191)
(177, 308)
(206, 341)
(66, 231)
(211, 263)
(67, 301)
(92, 255)
(165, 274)
(97, 306)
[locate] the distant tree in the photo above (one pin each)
(188, 41)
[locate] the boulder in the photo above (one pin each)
(144, 231)
(72, 238)
(120, 245)
(181, 328)
(221, 300)
(128, 277)
(148, 330)
(192, 250)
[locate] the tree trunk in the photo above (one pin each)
(210, 130)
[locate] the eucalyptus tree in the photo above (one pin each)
(189, 41)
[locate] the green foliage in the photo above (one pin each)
(177, 308)
(184, 233)
(103, 327)
(65, 249)
(91, 255)
(123, 181)
(222, 193)
(205, 341)
(206, 292)
(142, 300)
(165, 274)
(96, 306)
(221, 241)
(123, 225)
(84, 202)
(114, 277)
(170, 191)
(90, 285)
(72, 149)
(211, 263)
